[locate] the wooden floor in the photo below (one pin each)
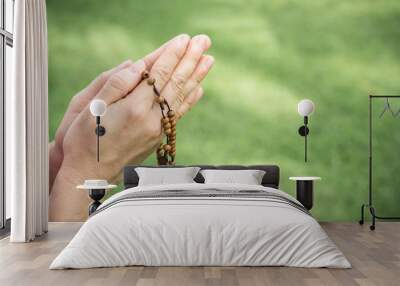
(375, 257)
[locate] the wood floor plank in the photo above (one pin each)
(375, 257)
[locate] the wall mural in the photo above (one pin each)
(268, 56)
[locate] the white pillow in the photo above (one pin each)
(248, 177)
(162, 176)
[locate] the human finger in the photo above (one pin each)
(190, 101)
(174, 88)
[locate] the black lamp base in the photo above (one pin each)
(100, 130)
(304, 131)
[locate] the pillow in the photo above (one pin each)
(248, 177)
(162, 176)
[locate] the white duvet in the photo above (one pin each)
(200, 231)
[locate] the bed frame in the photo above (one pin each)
(270, 179)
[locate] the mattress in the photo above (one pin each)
(201, 225)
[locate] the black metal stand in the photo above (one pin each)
(304, 131)
(96, 195)
(370, 202)
(305, 193)
(100, 131)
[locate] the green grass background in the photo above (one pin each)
(269, 55)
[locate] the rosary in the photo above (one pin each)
(165, 151)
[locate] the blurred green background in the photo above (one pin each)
(269, 55)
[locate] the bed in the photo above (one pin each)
(201, 224)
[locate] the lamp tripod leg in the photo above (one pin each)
(372, 211)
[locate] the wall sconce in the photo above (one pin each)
(98, 108)
(305, 108)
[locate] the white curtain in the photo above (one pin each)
(27, 124)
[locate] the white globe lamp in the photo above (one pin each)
(98, 107)
(305, 107)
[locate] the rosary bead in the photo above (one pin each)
(163, 161)
(167, 147)
(145, 74)
(165, 152)
(151, 80)
(160, 99)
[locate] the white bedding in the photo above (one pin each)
(185, 231)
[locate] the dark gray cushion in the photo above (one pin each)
(270, 179)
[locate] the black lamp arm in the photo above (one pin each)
(100, 131)
(304, 131)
